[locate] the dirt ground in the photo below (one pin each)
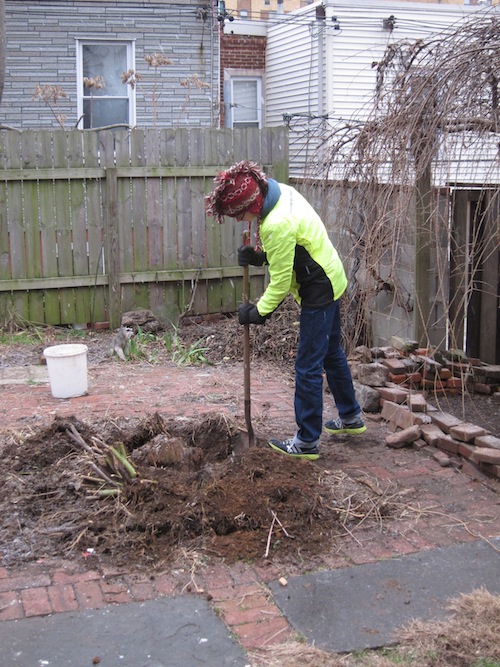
(139, 492)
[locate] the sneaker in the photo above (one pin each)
(292, 448)
(337, 427)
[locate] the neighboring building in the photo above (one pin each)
(262, 9)
(243, 62)
(59, 55)
(319, 63)
(265, 9)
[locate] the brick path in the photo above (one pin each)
(448, 506)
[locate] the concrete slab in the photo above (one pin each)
(24, 374)
(360, 607)
(173, 632)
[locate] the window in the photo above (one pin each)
(103, 99)
(243, 101)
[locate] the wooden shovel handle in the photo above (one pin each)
(246, 350)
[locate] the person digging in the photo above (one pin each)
(293, 242)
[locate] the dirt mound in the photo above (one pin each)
(136, 493)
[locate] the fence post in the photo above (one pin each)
(112, 247)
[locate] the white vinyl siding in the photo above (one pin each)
(347, 75)
(292, 84)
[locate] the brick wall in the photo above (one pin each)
(240, 52)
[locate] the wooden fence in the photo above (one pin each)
(96, 223)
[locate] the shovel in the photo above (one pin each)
(246, 350)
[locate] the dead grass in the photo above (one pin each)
(469, 638)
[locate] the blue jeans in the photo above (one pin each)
(320, 349)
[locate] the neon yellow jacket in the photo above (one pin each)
(302, 259)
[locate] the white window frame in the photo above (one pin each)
(232, 75)
(130, 44)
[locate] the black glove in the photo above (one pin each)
(248, 314)
(248, 255)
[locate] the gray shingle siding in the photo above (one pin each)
(41, 50)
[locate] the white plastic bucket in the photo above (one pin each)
(67, 367)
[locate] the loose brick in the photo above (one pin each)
(403, 418)
(436, 385)
(466, 450)
(417, 403)
(487, 441)
(419, 444)
(395, 366)
(414, 379)
(394, 394)
(445, 421)
(489, 372)
(486, 455)
(466, 432)
(430, 365)
(454, 383)
(448, 444)
(458, 369)
(431, 434)
(389, 409)
(396, 379)
(404, 437)
(481, 388)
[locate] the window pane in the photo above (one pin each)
(108, 61)
(245, 101)
(246, 124)
(99, 112)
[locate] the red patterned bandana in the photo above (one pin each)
(240, 189)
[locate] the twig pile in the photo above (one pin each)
(276, 341)
(114, 471)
